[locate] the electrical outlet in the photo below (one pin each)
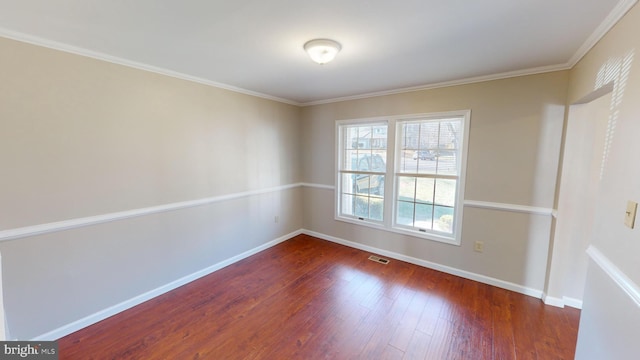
(276, 219)
(630, 214)
(478, 246)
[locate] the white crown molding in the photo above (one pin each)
(12, 234)
(34, 40)
(614, 16)
(38, 41)
(464, 81)
(618, 276)
(609, 22)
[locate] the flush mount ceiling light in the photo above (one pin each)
(322, 50)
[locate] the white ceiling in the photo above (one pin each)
(255, 46)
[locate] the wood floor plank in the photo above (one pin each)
(503, 340)
(384, 332)
(441, 340)
(390, 353)
(417, 347)
(409, 322)
(307, 298)
(482, 337)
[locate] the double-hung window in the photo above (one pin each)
(421, 158)
(362, 170)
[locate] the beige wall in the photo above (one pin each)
(515, 135)
(609, 322)
(85, 137)
(81, 137)
(514, 138)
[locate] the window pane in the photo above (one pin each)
(445, 192)
(449, 134)
(443, 219)
(424, 216)
(406, 188)
(347, 206)
(362, 183)
(378, 161)
(348, 184)
(447, 164)
(358, 138)
(448, 147)
(361, 206)
(349, 133)
(350, 136)
(424, 190)
(349, 160)
(379, 137)
(429, 135)
(365, 137)
(410, 136)
(362, 196)
(426, 160)
(408, 162)
(363, 163)
(376, 183)
(404, 214)
(376, 208)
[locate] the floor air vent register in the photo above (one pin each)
(378, 259)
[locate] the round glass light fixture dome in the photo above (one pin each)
(322, 50)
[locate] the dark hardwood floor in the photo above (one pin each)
(311, 299)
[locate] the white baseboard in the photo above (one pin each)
(552, 301)
(431, 265)
(127, 304)
(571, 302)
(561, 303)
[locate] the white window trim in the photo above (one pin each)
(388, 223)
(368, 222)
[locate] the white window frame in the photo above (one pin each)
(391, 187)
(339, 172)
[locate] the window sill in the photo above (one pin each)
(396, 230)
